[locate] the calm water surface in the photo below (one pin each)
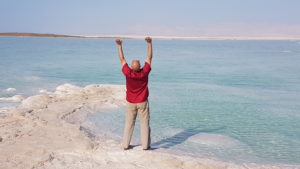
(233, 100)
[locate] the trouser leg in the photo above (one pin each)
(131, 113)
(144, 114)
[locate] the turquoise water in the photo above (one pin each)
(232, 100)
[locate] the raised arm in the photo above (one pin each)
(120, 51)
(149, 57)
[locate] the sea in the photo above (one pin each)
(234, 100)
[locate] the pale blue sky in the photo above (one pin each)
(153, 17)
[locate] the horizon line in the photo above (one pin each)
(162, 37)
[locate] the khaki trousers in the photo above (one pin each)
(142, 110)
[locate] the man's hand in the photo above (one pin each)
(149, 58)
(120, 51)
(148, 40)
(119, 42)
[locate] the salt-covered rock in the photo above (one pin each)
(10, 90)
(43, 91)
(37, 101)
(15, 98)
(67, 89)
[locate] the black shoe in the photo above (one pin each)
(129, 147)
(147, 148)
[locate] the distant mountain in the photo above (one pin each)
(38, 35)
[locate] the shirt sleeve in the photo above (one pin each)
(126, 70)
(146, 68)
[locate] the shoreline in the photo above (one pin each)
(20, 34)
(47, 131)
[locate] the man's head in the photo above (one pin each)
(135, 65)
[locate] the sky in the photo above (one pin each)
(276, 18)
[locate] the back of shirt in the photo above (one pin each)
(136, 83)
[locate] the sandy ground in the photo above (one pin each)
(46, 131)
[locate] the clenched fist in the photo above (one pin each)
(119, 42)
(148, 39)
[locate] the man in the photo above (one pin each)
(136, 96)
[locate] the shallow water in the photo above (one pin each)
(233, 100)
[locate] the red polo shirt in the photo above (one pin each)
(136, 83)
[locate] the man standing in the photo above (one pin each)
(137, 96)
